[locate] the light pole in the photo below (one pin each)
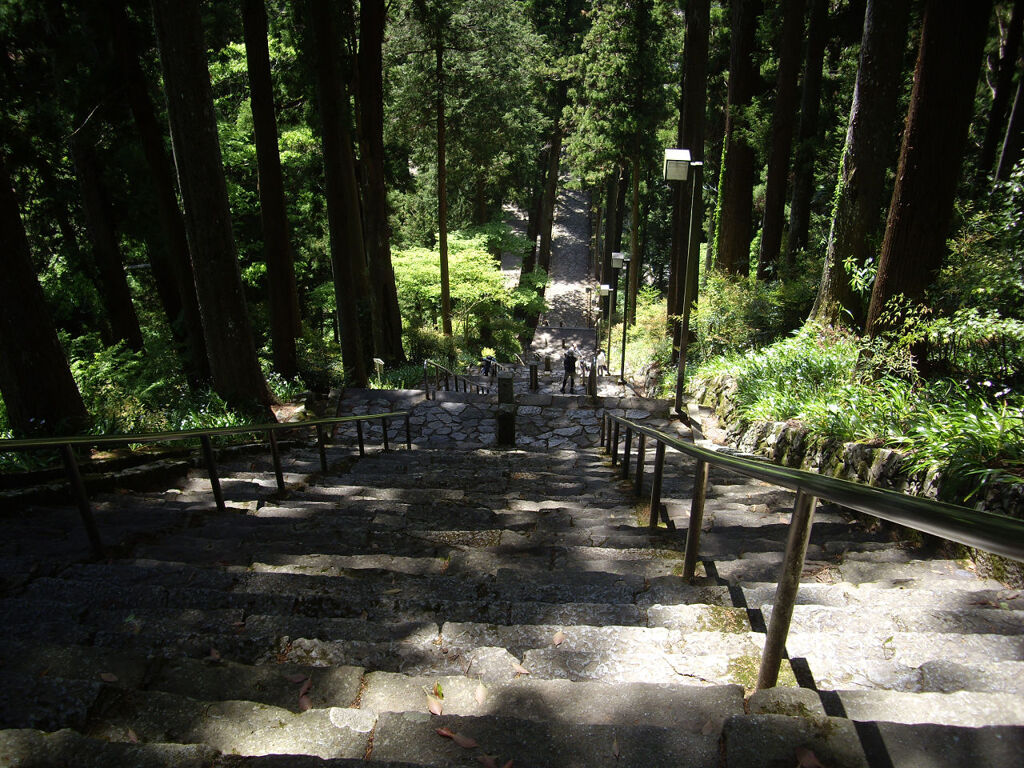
(625, 303)
(590, 304)
(676, 168)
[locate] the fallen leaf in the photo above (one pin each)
(438, 690)
(463, 741)
(108, 677)
(305, 703)
(298, 677)
(507, 765)
(214, 655)
(615, 747)
(807, 759)
(132, 737)
(434, 704)
(392, 591)
(520, 669)
(709, 728)
(487, 761)
(480, 693)
(306, 687)
(559, 638)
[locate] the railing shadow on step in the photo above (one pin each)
(998, 534)
(67, 445)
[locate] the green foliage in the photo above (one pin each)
(319, 361)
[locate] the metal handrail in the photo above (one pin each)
(998, 534)
(449, 377)
(67, 445)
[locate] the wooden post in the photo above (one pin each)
(384, 425)
(211, 469)
(625, 452)
(659, 469)
(82, 499)
(641, 445)
(276, 453)
(321, 448)
(359, 436)
(700, 485)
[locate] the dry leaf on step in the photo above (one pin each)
(305, 703)
(807, 759)
(306, 686)
(132, 737)
(480, 693)
(434, 704)
(463, 741)
(487, 761)
(298, 677)
(108, 677)
(709, 728)
(520, 669)
(559, 638)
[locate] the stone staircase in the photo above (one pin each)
(459, 605)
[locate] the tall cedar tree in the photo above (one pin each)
(807, 133)
(857, 215)
(783, 123)
(226, 327)
(351, 290)
(175, 280)
(38, 391)
(377, 235)
(736, 190)
(1002, 91)
(277, 249)
(941, 106)
(1013, 142)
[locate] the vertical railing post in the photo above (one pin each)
(211, 470)
(447, 383)
(604, 421)
(785, 593)
(426, 383)
(700, 485)
(276, 453)
(641, 445)
(615, 442)
(321, 448)
(82, 499)
(628, 443)
(359, 437)
(659, 469)
(408, 433)
(384, 426)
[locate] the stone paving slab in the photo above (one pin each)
(772, 741)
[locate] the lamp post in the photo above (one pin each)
(590, 304)
(605, 290)
(625, 301)
(677, 168)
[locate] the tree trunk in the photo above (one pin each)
(941, 106)
(783, 123)
(378, 230)
(106, 250)
(229, 342)
(39, 393)
(610, 227)
(994, 132)
(343, 214)
(635, 263)
(1014, 139)
(151, 135)
(857, 216)
(737, 177)
(283, 295)
(806, 148)
(547, 217)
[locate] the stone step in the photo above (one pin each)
(665, 706)
(234, 727)
(961, 620)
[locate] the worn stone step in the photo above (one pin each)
(937, 594)
(943, 676)
(48, 703)
(962, 620)
(412, 736)
(944, 746)
(772, 741)
(663, 706)
(235, 727)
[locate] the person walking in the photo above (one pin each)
(569, 363)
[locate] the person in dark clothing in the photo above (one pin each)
(569, 363)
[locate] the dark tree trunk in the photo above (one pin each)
(229, 342)
(106, 251)
(736, 191)
(283, 295)
(941, 106)
(994, 132)
(635, 262)
(442, 188)
(343, 214)
(151, 135)
(39, 393)
(783, 123)
(387, 316)
(611, 226)
(1013, 142)
(857, 216)
(547, 216)
(806, 148)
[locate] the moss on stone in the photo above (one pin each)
(717, 618)
(743, 670)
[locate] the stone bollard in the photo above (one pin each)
(505, 392)
(592, 379)
(506, 425)
(547, 363)
(534, 386)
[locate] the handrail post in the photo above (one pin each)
(408, 433)
(211, 470)
(384, 425)
(700, 487)
(628, 443)
(659, 469)
(615, 442)
(641, 445)
(321, 448)
(785, 593)
(426, 383)
(276, 453)
(82, 498)
(359, 437)
(604, 421)
(447, 384)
